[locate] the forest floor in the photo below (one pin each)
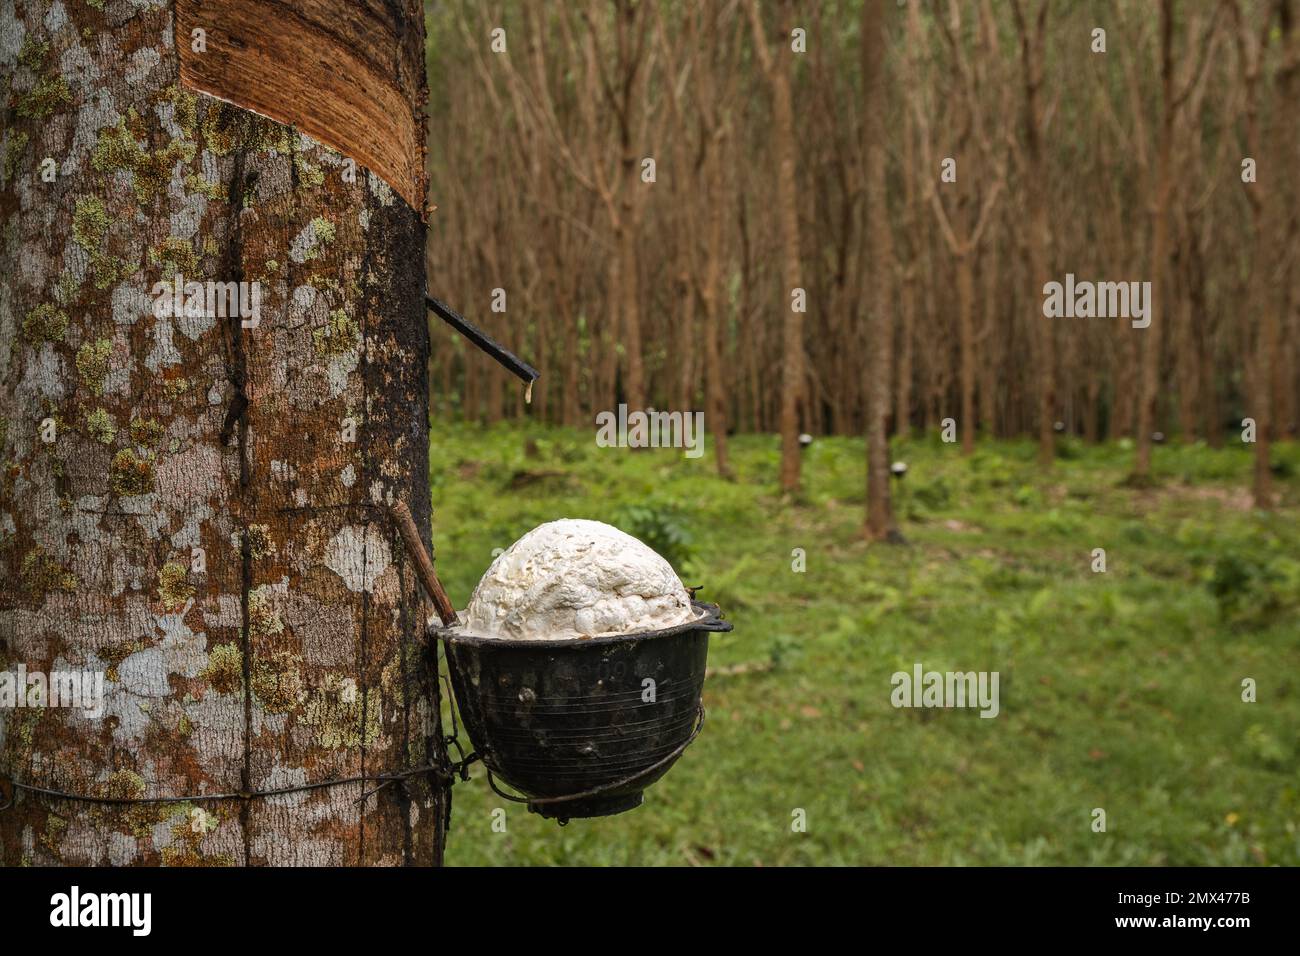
(1119, 690)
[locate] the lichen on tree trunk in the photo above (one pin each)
(208, 526)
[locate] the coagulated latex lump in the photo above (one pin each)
(575, 578)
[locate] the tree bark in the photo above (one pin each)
(208, 528)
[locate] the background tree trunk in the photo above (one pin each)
(1272, 296)
(202, 529)
(1032, 39)
(778, 64)
(878, 302)
(1158, 266)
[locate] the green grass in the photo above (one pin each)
(1119, 690)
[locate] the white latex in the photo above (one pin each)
(575, 578)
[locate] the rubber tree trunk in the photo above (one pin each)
(207, 526)
(880, 253)
(792, 373)
(1149, 396)
(966, 335)
(778, 67)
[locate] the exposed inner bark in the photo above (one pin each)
(350, 73)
